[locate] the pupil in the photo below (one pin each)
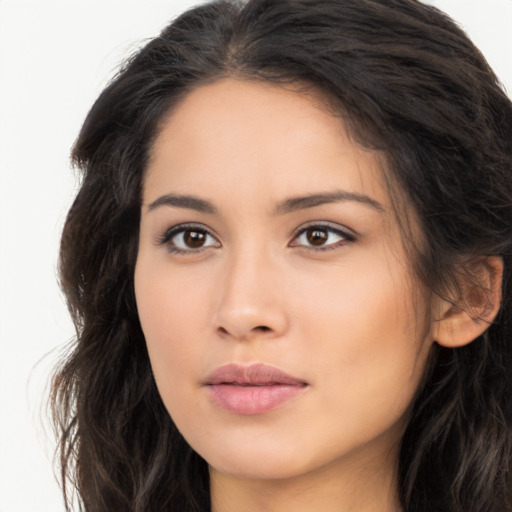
(317, 236)
(194, 239)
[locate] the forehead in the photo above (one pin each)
(258, 139)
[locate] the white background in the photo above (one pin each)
(55, 57)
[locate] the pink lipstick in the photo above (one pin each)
(253, 389)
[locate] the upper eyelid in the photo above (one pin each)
(332, 226)
(174, 230)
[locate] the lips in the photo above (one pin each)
(254, 389)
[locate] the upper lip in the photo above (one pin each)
(255, 374)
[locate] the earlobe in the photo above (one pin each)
(458, 325)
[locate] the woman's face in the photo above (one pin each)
(268, 239)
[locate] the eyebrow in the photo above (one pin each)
(310, 201)
(182, 201)
(289, 205)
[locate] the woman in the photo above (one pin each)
(288, 264)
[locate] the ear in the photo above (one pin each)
(459, 325)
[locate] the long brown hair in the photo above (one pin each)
(408, 81)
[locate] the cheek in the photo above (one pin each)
(169, 301)
(169, 308)
(368, 343)
(363, 303)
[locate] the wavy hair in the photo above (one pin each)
(407, 81)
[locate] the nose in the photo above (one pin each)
(251, 301)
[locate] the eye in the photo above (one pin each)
(321, 237)
(187, 239)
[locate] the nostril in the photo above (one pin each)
(262, 328)
(244, 334)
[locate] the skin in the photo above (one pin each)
(348, 320)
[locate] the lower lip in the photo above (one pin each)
(250, 400)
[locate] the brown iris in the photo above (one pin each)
(194, 239)
(317, 236)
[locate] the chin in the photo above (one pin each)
(259, 469)
(259, 462)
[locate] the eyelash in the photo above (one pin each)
(167, 237)
(346, 237)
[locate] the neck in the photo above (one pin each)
(367, 486)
